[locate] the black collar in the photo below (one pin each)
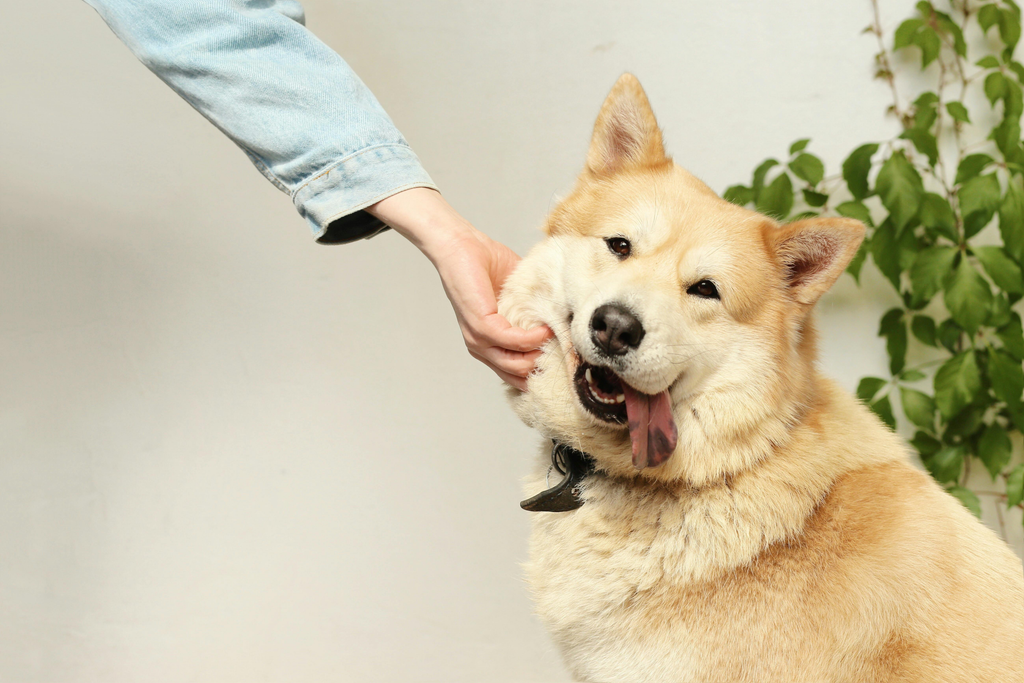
(565, 496)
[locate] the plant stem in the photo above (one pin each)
(883, 58)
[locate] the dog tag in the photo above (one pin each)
(575, 466)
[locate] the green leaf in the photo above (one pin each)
(869, 388)
(1018, 69)
(1013, 102)
(995, 87)
(798, 146)
(966, 423)
(883, 409)
(1016, 414)
(856, 169)
(988, 62)
(930, 269)
(1001, 268)
(919, 408)
(979, 194)
(1015, 486)
(885, 251)
(904, 35)
(776, 199)
(930, 43)
(958, 111)
(909, 245)
(815, 199)
(1009, 29)
(1007, 136)
(900, 188)
(957, 383)
(968, 297)
(971, 166)
(857, 262)
(948, 334)
(894, 328)
(926, 110)
(966, 497)
(926, 444)
(947, 464)
(739, 194)
(759, 175)
(924, 142)
(1012, 337)
(975, 222)
(949, 26)
(1006, 375)
(856, 210)
(923, 328)
(937, 214)
(994, 449)
(988, 16)
(912, 375)
(808, 167)
(1011, 219)
(979, 200)
(1000, 312)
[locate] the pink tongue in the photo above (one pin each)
(651, 427)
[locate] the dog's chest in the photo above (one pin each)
(608, 580)
(652, 591)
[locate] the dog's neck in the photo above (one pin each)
(567, 495)
(751, 509)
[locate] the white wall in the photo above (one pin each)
(228, 454)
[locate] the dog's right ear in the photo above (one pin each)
(814, 252)
(626, 133)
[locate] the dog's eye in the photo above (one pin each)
(619, 246)
(704, 288)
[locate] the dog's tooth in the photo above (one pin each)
(620, 398)
(590, 378)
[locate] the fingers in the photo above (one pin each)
(518, 382)
(512, 362)
(494, 330)
(513, 379)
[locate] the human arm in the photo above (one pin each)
(310, 126)
(297, 110)
(473, 268)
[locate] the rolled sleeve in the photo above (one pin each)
(333, 201)
(297, 110)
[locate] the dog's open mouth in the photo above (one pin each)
(652, 429)
(601, 392)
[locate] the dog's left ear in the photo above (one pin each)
(626, 133)
(814, 252)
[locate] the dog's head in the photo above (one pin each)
(683, 345)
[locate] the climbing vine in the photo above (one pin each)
(932, 197)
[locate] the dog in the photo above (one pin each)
(730, 515)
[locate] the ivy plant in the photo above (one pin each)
(927, 196)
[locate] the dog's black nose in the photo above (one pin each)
(615, 330)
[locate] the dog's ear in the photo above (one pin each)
(626, 133)
(814, 252)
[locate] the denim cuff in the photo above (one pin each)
(333, 202)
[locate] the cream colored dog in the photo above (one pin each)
(747, 520)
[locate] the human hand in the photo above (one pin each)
(473, 268)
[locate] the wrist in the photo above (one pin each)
(422, 216)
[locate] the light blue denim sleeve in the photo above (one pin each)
(290, 102)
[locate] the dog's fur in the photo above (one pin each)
(787, 538)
